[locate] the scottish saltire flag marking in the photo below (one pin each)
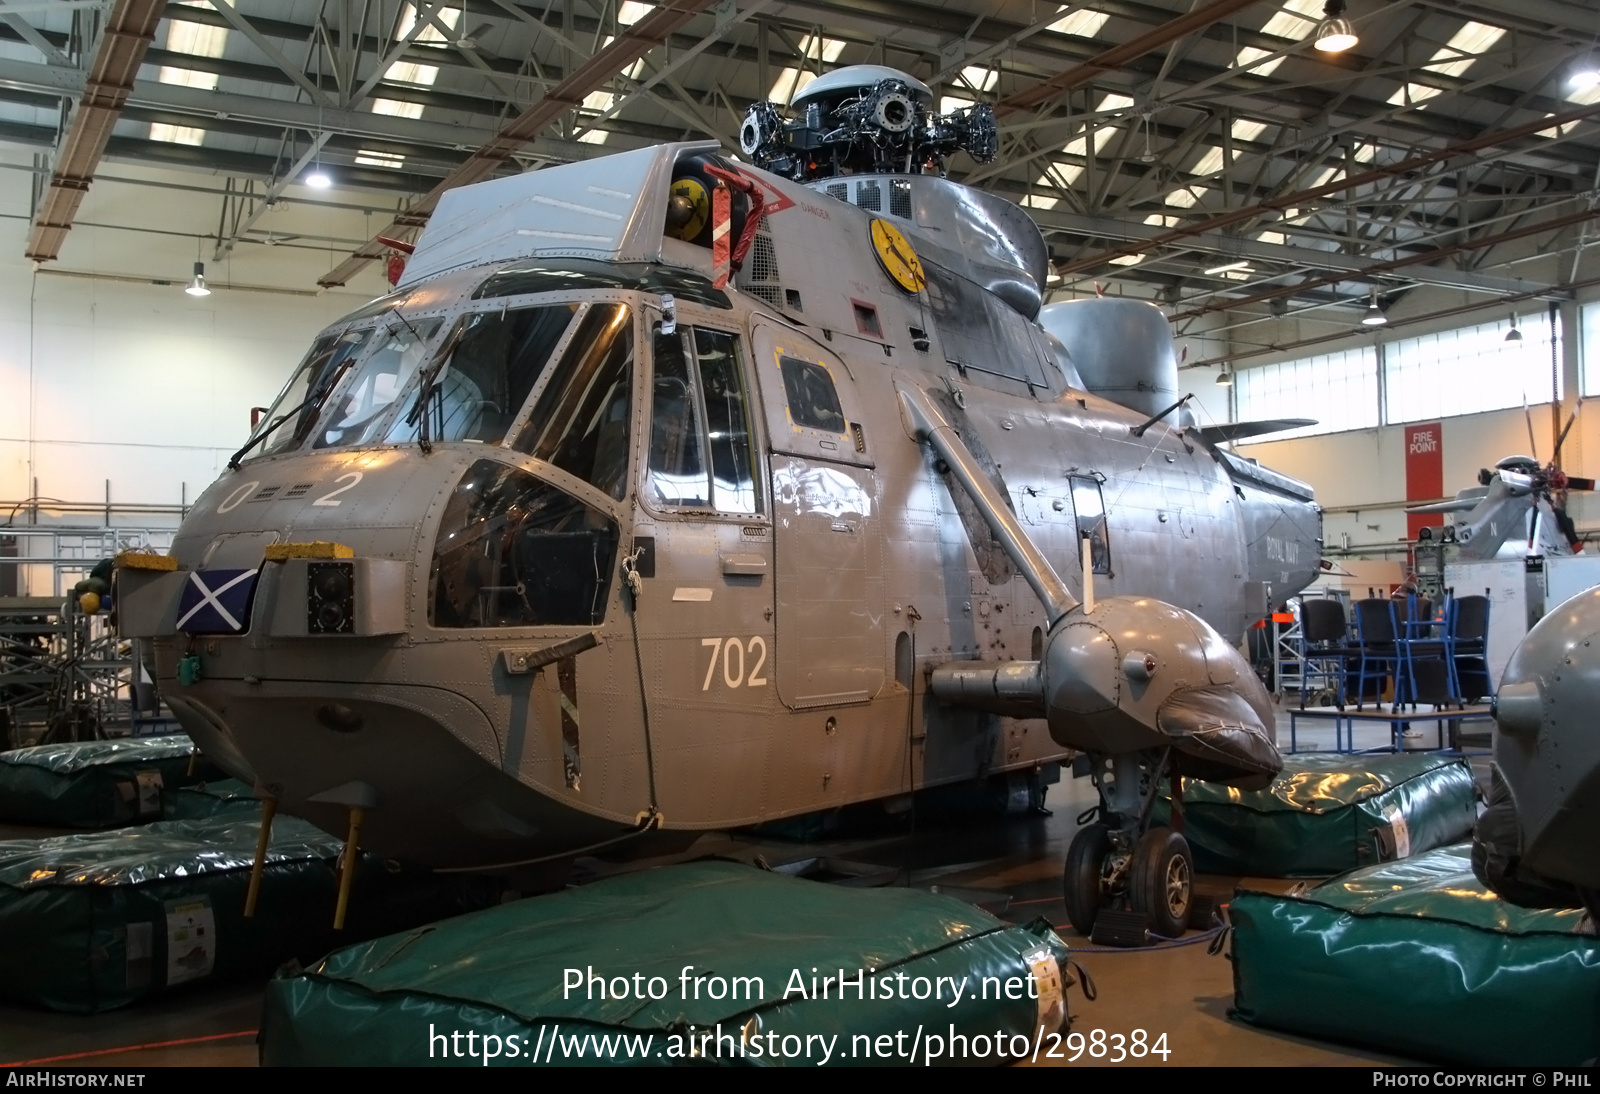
(216, 601)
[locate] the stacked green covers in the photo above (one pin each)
(1328, 813)
(98, 920)
(97, 784)
(708, 962)
(1419, 958)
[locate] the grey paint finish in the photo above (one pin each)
(772, 662)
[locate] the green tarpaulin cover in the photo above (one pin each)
(1327, 813)
(97, 920)
(681, 955)
(97, 784)
(1419, 958)
(211, 799)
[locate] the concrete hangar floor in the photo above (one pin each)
(1181, 991)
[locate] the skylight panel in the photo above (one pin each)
(631, 11)
(1065, 174)
(1082, 23)
(396, 108)
(199, 40)
(429, 33)
(1295, 19)
(1186, 197)
(176, 134)
(1210, 163)
(372, 158)
(1453, 60)
(792, 81)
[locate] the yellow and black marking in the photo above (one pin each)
(567, 675)
(897, 257)
(694, 192)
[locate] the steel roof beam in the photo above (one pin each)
(129, 28)
(1305, 257)
(1304, 197)
(630, 44)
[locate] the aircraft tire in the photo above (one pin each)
(1081, 886)
(1161, 881)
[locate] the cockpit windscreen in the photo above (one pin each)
(356, 415)
(294, 413)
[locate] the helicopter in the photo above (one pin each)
(1519, 497)
(670, 492)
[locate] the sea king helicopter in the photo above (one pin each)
(669, 492)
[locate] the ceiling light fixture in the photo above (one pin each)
(1243, 264)
(318, 179)
(1225, 377)
(1585, 74)
(1513, 335)
(1334, 34)
(197, 284)
(1374, 316)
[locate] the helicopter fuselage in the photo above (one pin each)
(616, 547)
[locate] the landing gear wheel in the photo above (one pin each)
(1161, 881)
(1081, 885)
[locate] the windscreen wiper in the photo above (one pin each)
(318, 393)
(418, 416)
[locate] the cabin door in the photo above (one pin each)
(827, 532)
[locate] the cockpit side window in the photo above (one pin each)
(580, 421)
(813, 400)
(677, 466)
(1091, 510)
(707, 385)
(515, 551)
(294, 413)
(496, 359)
(357, 413)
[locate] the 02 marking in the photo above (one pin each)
(724, 649)
(327, 499)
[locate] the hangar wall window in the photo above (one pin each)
(1340, 390)
(1472, 369)
(1589, 348)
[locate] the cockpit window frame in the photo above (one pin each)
(690, 318)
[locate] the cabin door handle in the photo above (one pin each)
(743, 565)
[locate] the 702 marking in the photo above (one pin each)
(725, 647)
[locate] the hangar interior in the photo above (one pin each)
(191, 189)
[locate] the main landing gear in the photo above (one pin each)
(1126, 878)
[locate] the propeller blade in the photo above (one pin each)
(1234, 431)
(1556, 459)
(1455, 505)
(1527, 415)
(1580, 484)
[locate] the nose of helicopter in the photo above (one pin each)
(419, 760)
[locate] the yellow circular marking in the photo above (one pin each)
(693, 191)
(897, 257)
